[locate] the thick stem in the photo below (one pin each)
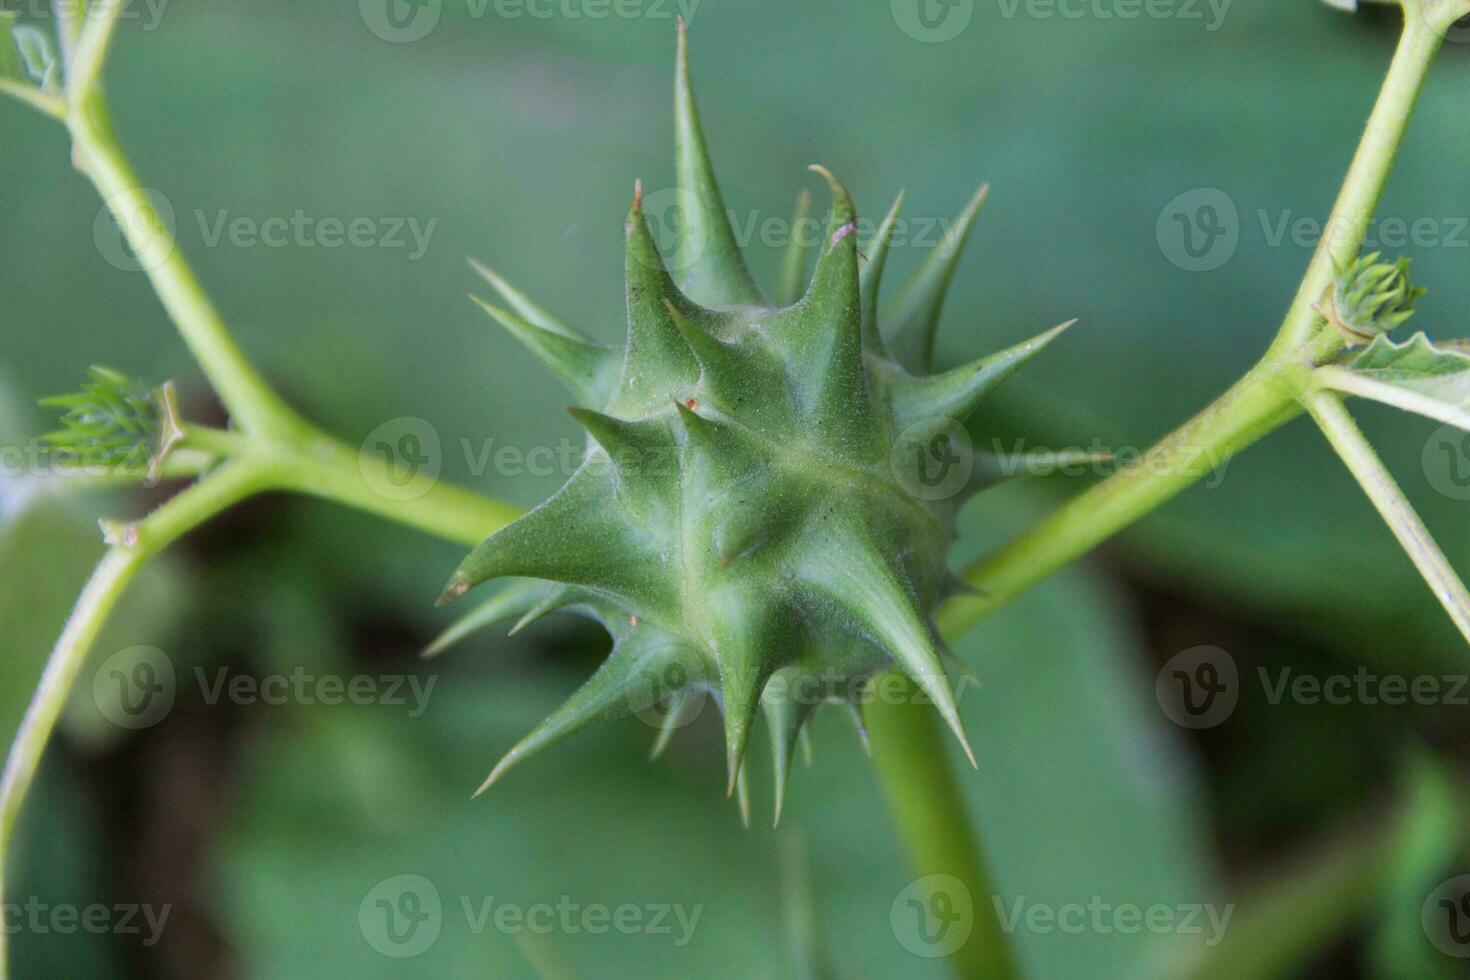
(929, 812)
(326, 468)
(1327, 409)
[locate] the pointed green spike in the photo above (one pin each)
(712, 270)
(785, 718)
(658, 356)
(616, 690)
(704, 431)
(740, 697)
(956, 394)
(742, 794)
(870, 278)
(856, 576)
(681, 705)
(586, 368)
(558, 597)
(742, 634)
(913, 317)
(635, 448)
(990, 470)
(574, 538)
(822, 334)
(855, 713)
(523, 305)
(713, 354)
(513, 600)
(793, 263)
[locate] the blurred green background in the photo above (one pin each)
(265, 829)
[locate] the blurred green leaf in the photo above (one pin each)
(1416, 376)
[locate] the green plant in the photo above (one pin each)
(269, 447)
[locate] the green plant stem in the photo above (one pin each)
(1260, 402)
(912, 758)
(226, 487)
(251, 403)
(326, 468)
(1362, 189)
(34, 97)
(1328, 411)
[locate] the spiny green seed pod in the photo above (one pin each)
(748, 522)
(115, 423)
(1369, 298)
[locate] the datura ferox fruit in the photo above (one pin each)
(741, 523)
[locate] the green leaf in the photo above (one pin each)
(1416, 376)
(39, 57)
